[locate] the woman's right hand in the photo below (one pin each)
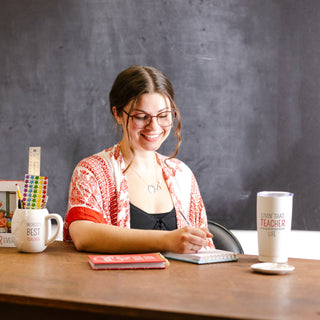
(187, 239)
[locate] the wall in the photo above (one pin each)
(245, 72)
(302, 244)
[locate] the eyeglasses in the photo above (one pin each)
(141, 120)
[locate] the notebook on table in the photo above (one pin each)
(203, 256)
(127, 261)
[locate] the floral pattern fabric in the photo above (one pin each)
(99, 192)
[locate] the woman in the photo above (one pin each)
(129, 198)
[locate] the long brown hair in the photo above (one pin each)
(135, 81)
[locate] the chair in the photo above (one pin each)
(223, 238)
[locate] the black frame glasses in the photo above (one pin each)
(140, 121)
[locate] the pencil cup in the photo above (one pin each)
(31, 229)
(274, 216)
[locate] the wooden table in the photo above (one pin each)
(59, 284)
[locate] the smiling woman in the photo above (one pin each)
(142, 130)
(129, 198)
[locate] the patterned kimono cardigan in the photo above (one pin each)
(99, 192)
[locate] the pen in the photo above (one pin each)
(185, 218)
(20, 201)
(189, 224)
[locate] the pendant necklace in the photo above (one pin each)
(151, 187)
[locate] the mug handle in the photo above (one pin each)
(58, 218)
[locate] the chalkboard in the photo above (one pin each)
(246, 77)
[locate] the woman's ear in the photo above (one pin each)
(115, 113)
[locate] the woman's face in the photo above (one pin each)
(146, 137)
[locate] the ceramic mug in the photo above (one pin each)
(274, 216)
(31, 229)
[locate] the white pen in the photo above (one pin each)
(185, 219)
(189, 224)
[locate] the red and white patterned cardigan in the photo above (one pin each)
(99, 192)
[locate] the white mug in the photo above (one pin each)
(274, 216)
(31, 229)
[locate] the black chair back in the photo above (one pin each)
(223, 238)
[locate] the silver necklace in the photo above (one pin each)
(151, 187)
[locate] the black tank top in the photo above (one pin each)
(140, 219)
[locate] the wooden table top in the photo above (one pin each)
(61, 279)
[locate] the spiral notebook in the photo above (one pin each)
(203, 256)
